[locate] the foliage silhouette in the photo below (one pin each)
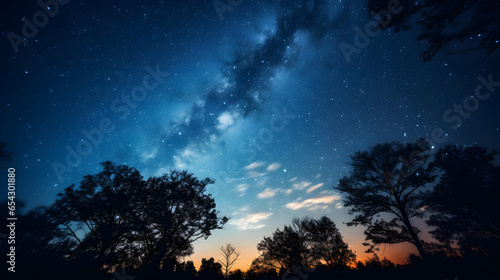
(210, 269)
(129, 222)
(442, 24)
(307, 242)
(116, 220)
(386, 180)
(463, 206)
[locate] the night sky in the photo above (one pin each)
(260, 98)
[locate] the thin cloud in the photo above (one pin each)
(241, 188)
(251, 221)
(301, 185)
(255, 174)
(315, 187)
(254, 165)
(273, 167)
(268, 193)
(313, 203)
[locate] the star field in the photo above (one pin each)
(263, 101)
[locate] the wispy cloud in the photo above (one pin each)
(313, 203)
(315, 187)
(242, 209)
(254, 165)
(301, 185)
(273, 166)
(254, 174)
(241, 188)
(268, 193)
(193, 153)
(251, 221)
(147, 156)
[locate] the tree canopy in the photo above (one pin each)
(383, 188)
(463, 206)
(122, 220)
(306, 242)
(442, 26)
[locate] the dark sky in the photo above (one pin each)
(262, 100)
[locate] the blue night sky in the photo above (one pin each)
(262, 99)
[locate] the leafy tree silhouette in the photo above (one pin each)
(382, 182)
(187, 270)
(210, 269)
(284, 249)
(305, 243)
(40, 243)
(237, 275)
(463, 206)
(327, 244)
(446, 23)
(259, 269)
(103, 207)
(375, 261)
(178, 213)
(119, 220)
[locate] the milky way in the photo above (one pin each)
(262, 99)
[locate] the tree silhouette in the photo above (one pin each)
(229, 257)
(327, 244)
(463, 205)
(305, 243)
(103, 208)
(284, 249)
(119, 220)
(186, 269)
(258, 268)
(466, 25)
(375, 261)
(179, 213)
(40, 243)
(237, 275)
(209, 269)
(386, 180)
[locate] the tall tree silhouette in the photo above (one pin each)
(129, 222)
(179, 212)
(102, 206)
(455, 26)
(386, 180)
(464, 204)
(229, 257)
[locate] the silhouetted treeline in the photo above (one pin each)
(116, 224)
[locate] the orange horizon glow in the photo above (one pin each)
(396, 253)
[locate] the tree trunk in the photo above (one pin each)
(157, 260)
(412, 232)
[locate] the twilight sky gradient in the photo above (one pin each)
(263, 101)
